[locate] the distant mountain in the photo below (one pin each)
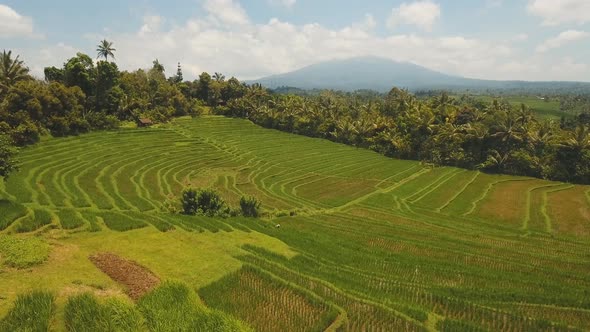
(382, 74)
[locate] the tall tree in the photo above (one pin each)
(105, 50)
(178, 78)
(11, 71)
(158, 67)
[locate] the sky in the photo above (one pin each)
(488, 39)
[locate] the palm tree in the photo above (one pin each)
(579, 139)
(105, 49)
(11, 71)
(218, 77)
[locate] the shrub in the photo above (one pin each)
(250, 206)
(189, 201)
(26, 133)
(99, 121)
(203, 202)
(23, 252)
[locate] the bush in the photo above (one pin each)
(26, 134)
(99, 121)
(250, 206)
(23, 252)
(203, 202)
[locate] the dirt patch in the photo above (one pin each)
(137, 279)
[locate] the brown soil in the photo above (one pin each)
(137, 279)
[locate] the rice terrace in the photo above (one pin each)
(366, 242)
(368, 166)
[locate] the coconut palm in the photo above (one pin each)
(579, 139)
(218, 77)
(11, 71)
(105, 50)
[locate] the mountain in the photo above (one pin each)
(382, 74)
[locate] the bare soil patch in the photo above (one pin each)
(136, 278)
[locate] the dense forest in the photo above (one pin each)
(85, 95)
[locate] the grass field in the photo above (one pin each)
(366, 243)
(544, 109)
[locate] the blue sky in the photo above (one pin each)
(494, 39)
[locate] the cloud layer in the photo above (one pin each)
(557, 12)
(563, 38)
(225, 39)
(422, 14)
(12, 24)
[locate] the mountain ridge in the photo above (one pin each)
(381, 74)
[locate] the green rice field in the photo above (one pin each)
(365, 243)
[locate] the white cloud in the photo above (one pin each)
(13, 24)
(367, 24)
(422, 14)
(562, 39)
(249, 50)
(556, 12)
(254, 50)
(227, 12)
(520, 37)
(151, 23)
(285, 3)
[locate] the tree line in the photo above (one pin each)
(463, 132)
(85, 95)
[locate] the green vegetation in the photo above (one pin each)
(365, 241)
(31, 312)
(174, 307)
(463, 132)
(85, 313)
(7, 153)
(250, 206)
(545, 107)
(22, 252)
(35, 221)
(205, 202)
(10, 212)
(259, 299)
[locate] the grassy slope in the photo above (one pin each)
(383, 242)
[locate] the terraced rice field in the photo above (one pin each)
(366, 243)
